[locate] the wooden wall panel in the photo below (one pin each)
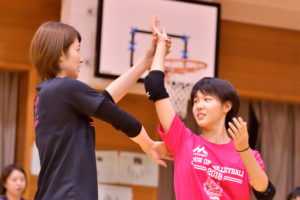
(19, 20)
(262, 62)
(21, 125)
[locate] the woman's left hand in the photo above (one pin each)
(239, 133)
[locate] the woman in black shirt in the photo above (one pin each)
(63, 109)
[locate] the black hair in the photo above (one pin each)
(294, 194)
(221, 89)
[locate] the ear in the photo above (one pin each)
(227, 106)
(62, 56)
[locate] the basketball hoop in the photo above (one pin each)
(181, 74)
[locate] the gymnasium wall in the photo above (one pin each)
(262, 63)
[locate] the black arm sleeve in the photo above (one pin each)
(267, 195)
(108, 96)
(118, 118)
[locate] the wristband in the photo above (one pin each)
(243, 149)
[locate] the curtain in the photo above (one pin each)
(279, 140)
(8, 116)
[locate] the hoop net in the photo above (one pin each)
(181, 74)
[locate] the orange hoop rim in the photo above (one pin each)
(181, 70)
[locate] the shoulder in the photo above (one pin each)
(60, 83)
(71, 81)
(176, 126)
(73, 84)
(255, 153)
(258, 158)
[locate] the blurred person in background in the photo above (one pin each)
(12, 183)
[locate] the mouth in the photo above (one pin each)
(200, 116)
(19, 189)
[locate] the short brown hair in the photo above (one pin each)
(49, 41)
(6, 173)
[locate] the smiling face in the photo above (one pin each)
(208, 110)
(70, 62)
(221, 93)
(15, 184)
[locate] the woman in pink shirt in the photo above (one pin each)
(218, 164)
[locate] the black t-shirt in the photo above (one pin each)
(65, 138)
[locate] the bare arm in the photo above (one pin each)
(119, 87)
(258, 177)
(164, 108)
(239, 134)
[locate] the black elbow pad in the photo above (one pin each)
(155, 85)
(267, 195)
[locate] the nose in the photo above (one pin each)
(19, 183)
(199, 105)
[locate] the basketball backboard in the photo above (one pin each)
(123, 32)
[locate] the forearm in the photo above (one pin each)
(159, 57)
(258, 177)
(119, 87)
(143, 140)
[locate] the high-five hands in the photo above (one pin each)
(155, 39)
(160, 35)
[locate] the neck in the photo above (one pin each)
(216, 134)
(61, 75)
(12, 197)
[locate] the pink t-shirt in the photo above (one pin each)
(205, 170)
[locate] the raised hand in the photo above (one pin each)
(161, 34)
(155, 39)
(239, 133)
